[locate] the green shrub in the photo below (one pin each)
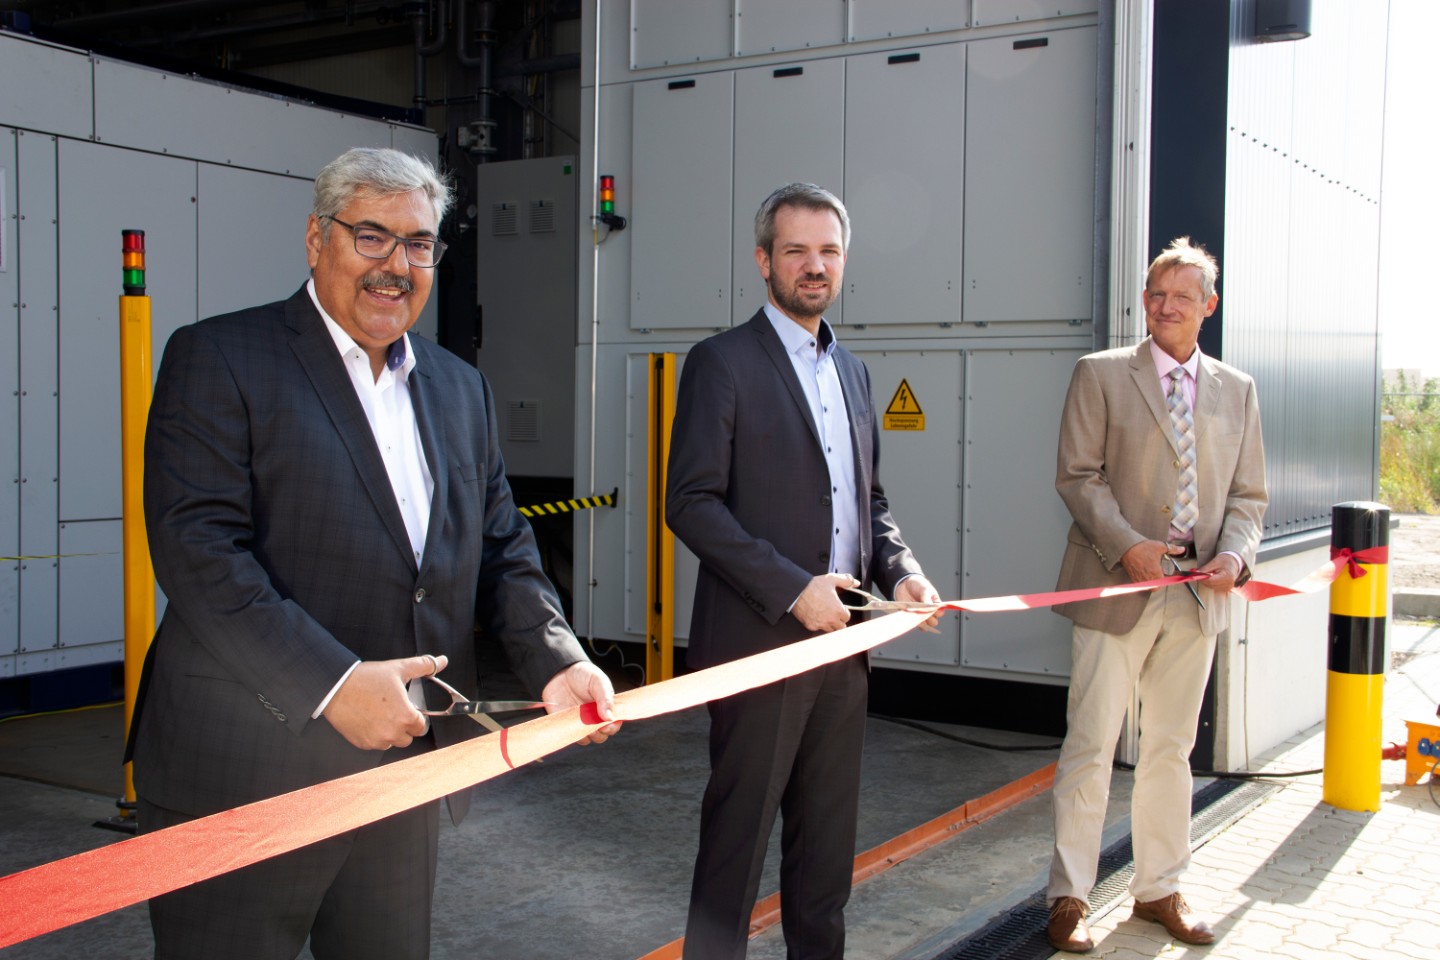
(1410, 448)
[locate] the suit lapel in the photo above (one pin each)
(430, 417)
(1207, 395)
(1142, 371)
(315, 350)
(775, 350)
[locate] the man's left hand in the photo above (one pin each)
(583, 682)
(919, 590)
(1224, 570)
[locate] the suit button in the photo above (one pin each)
(1175, 463)
(1165, 509)
(824, 557)
(420, 595)
(824, 501)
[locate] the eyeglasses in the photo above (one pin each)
(378, 244)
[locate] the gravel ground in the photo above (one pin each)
(1415, 552)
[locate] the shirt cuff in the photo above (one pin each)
(333, 690)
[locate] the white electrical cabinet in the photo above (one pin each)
(966, 157)
(94, 147)
(904, 154)
(789, 126)
(680, 230)
(526, 279)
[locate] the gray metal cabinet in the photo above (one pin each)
(663, 32)
(680, 236)
(9, 405)
(104, 190)
(904, 146)
(1013, 516)
(39, 386)
(880, 19)
(789, 126)
(1029, 205)
(775, 26)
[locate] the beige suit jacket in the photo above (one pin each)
(1118, 469)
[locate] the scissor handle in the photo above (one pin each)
(868, 600)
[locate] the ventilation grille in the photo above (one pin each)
(542, 216)
(505, 219)
(522, 421)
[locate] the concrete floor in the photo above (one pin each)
(588, 853)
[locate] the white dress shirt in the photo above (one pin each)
(387, 405)
(814, 365)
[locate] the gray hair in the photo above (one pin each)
(377, 172)
(806, 196)
(1182, 253)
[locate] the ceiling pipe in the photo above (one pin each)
(419, 14)
(483, 62)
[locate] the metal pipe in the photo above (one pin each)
(534, 65)
(421, 25)
(594, 311)
(487, 39)
(419, 14)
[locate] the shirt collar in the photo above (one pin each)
(399, 359)
(1164, 363)
(795, 337)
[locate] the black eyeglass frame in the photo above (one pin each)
(439, 246)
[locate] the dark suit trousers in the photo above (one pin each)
(792, 746)
(357, 896)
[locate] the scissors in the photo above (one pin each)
(868, 601)
(1188, 584)
(478, 710)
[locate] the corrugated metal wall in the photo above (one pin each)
(1300, 275)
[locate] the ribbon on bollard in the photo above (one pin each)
(81, 887)
(1343, 558)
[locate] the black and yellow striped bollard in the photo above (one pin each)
(1355, 681)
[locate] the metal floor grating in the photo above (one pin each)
(1019, 933)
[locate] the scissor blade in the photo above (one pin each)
(466, 707)
(872, 602)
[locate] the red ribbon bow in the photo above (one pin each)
(1353, 558)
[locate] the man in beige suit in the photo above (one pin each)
(1161, 466)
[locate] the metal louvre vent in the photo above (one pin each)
(505, 219)
(522, 421)
(542, 216)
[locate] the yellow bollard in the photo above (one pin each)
(135, 387)
(1356, 679)
(660, 552)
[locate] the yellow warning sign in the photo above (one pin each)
(904, 411)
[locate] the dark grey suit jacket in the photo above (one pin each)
(748, 491)
(277, 540)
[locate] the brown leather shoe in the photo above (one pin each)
(1174, 914)
(1067, 929)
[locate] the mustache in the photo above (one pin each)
(391, 280)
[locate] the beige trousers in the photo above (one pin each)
(1168, 656)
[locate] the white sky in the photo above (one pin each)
(1409, 198)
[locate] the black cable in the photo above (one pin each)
(965, 740)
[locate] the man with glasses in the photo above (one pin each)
(328, 513)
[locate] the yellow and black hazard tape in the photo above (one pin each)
(572, 506)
